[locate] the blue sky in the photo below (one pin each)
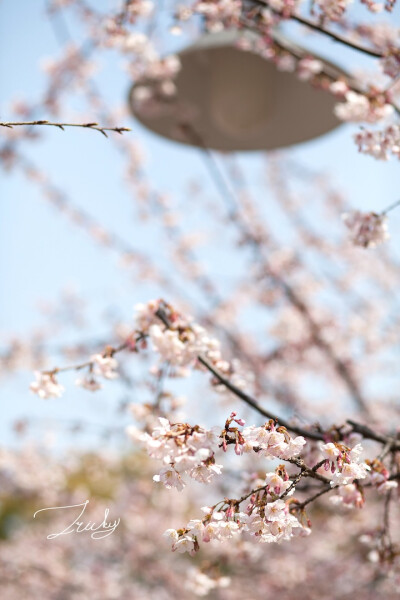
(42, 254)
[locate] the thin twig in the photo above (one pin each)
(325, 490)
(316, 27)
(95, 126)
(390, 207)
(370, 434)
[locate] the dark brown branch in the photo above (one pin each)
(240, 394)
(370, 434)
(325, 490)
(94, 126)
(316, 27)
(254, 404)
(364, 430)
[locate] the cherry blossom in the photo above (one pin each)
(220, 14)
(201, 584)
(350, 496)
(286, 7)
(381, 483)
(379, 477)
(366, 229)
(349, 472)
(391, 63)
(140, 8)
(46, 385)
(379, 144)
(308, 67)
(104, 366)
(271, 442)
(273, 524)
(358, 108)
(183, 449)
(344, 463)
(277, 484)
(333, 9)
(89, 383)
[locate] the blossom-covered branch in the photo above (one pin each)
(185, 344)
(285, 10)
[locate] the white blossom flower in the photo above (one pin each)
(275, 511)
(348, 495)
(333, 9)
(171, 534)
(46, 385)
(184, 450)
(201, 584)
(358, 107)
(379, 144)
(386, 486)
(330, 451)
(391, 63)
(381, 483)
(170, 478)
(196, 527)
(104, 366)
(349, 472)
(277, 484)
(89, 383)
(277, 525)
(185, 543)
(286, 62)
(366, 229)
(204, 473)
(271, 442)
(308, 67)
(339, 88)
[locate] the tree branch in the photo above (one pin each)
(316, 27)
(254, 404)
(94, 126)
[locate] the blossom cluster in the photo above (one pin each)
(366, 229)
(379, 477)
(156, 86)
(344, 463)
(181, 348)
(217, 15)
(99, 365)
(271, 441)
(379, 144)
(265, 520)
(182, 341)
(184, 450)
(359, 108)
(391, 63)
(46, 385)
(286, 8)
(179, 343)
(332, 9)
(201, 584)
(349, 496)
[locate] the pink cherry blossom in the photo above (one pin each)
(104, 366)
(366, 229)
(46, 386)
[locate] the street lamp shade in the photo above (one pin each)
(231, 99)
